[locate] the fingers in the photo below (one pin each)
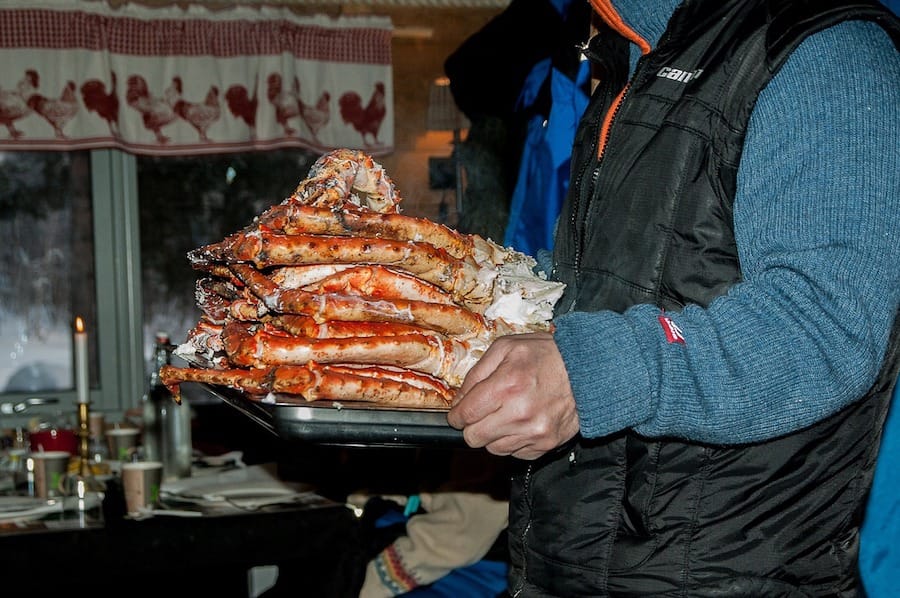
(517, 399)
(479, 385)
(483, 368)
(473, 405)
(521, 428)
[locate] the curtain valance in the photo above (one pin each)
(167, 81)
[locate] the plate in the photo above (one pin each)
(245, 487)
(27, 508)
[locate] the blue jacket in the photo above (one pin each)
(544, 169)
(879, 555)
(554, 94)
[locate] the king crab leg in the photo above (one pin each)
(306, 326)
(463, 278)
(367, 281)
(448, 319)
(315, 382)
(430, 353)
(295, 219)
(298, 277)
(377, 282)
(205, 340)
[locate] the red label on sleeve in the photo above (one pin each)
(673, 332)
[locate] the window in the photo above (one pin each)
(46, 269)
(105, 235)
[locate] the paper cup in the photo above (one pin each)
(50, 468)
(141, 481)
(96, 423)
(122, 442)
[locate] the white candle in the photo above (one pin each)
(81, 362)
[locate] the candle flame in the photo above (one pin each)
(79, 324)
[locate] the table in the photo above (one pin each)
(315, 547)
(320, 552)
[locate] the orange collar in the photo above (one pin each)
(605, 9)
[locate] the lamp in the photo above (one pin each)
(443, 115)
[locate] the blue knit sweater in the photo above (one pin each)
(817, 223)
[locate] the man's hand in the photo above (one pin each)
(517, 400)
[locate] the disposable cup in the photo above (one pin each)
(141, 481)
(50, 469)
(122, 442)
(96, 423)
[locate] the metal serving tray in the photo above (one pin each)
(361, 425)
(343, 423)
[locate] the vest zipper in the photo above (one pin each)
(602, 141)
(522, 538)
(576, 204)
(598, 149)
(610, 15)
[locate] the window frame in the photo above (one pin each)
(117, 262)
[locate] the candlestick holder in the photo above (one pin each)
(85, 479)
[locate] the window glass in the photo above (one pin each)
(46, 268)
(188, 202)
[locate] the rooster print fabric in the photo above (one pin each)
(172, 81)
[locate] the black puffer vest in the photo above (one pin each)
(651, 222)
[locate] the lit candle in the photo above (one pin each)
(81, 361)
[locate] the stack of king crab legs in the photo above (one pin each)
(333, 294)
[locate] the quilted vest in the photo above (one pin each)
(651, 222)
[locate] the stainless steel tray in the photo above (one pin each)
(360, 425)
(342, 423)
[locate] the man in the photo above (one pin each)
(705, 417)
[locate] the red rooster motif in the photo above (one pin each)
(156, 112)
(317, 115)
(103, 103)
(365, 119)
(200, 115)
(242, 106)
(285, 101)
(14, 103)
(56, 111)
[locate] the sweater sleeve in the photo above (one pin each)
(817, 223)
(457, 530)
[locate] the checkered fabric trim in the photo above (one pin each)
(72, 29)
(169, 81)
